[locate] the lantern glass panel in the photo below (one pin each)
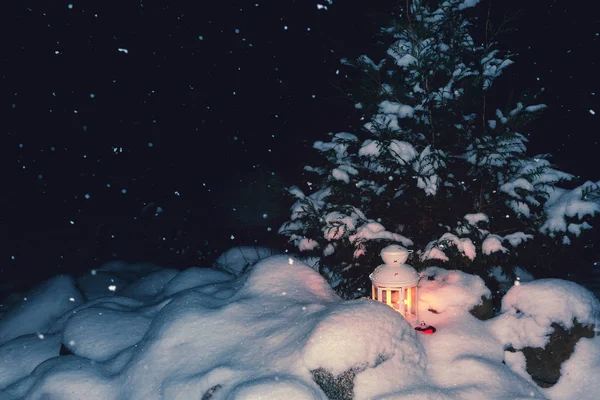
(410, 300)
(395, 298)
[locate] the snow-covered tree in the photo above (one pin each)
(436, 165)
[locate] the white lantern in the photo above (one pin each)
(396, 283)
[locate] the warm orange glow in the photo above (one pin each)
(408, 300)
(403, 300)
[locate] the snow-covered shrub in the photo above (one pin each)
(442, 291)
(529, 309)
(541, 324)
(436, 161)
(339, 235)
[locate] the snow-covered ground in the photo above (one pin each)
(273, 330)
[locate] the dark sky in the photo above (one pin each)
(197, 106)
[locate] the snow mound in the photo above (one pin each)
(147, 287)
(193, 277)
(278, 331)
(17, 363)
(529, 309)
(237, 259)
(39, 308)
(345, 339)
(112, 277)
(443, 290)
(256, 336)
(90, 333)
(282, 388)
(464, 360)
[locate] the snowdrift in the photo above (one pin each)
(277, 331)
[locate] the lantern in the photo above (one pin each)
(395, 283)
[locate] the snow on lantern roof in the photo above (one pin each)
(395, 275)
(394, 272)
(395, 254)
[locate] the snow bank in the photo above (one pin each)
(260, 334)
(203, 333)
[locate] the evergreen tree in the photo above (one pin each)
(434, 166)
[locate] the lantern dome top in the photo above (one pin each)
(395, 272)
(395, 254)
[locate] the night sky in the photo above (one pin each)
(110, 110)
